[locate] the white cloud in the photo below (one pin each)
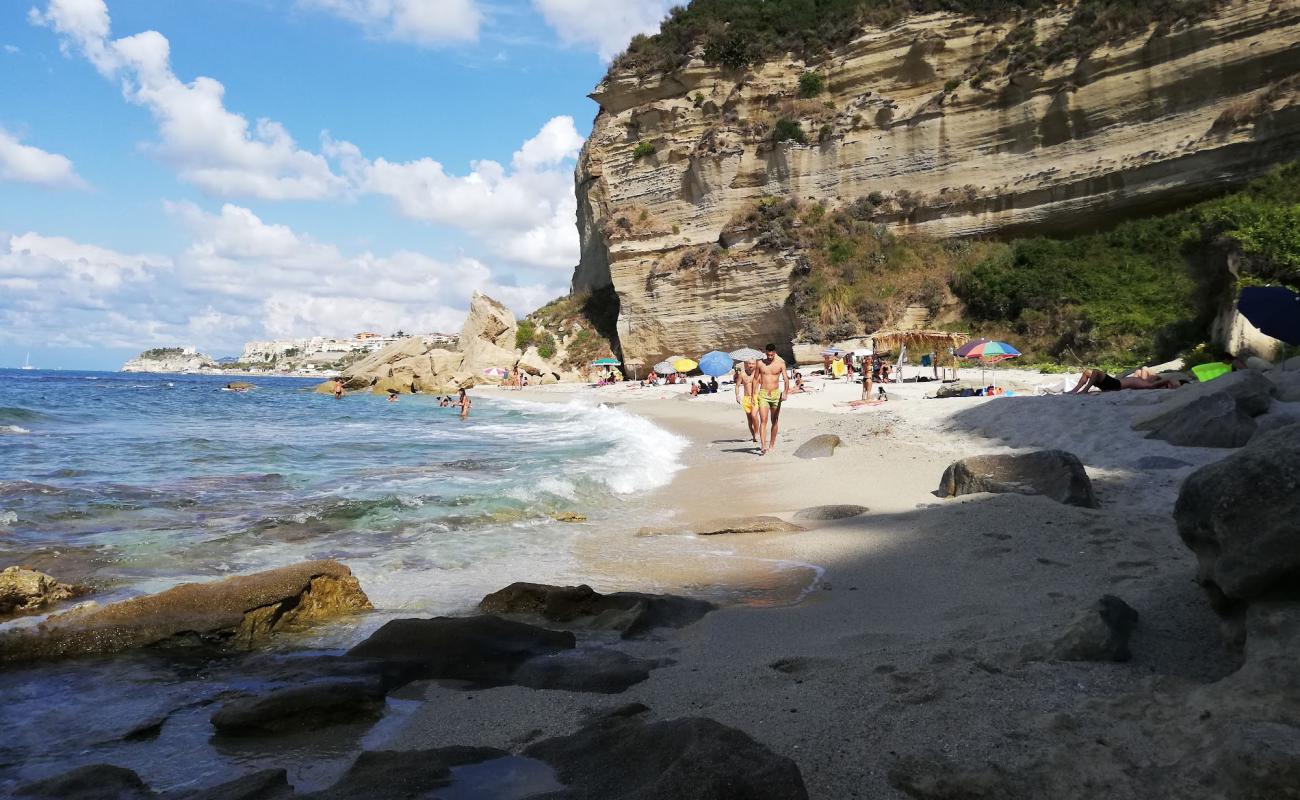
(426, 22)
(604, 25)
(12, 50)
(22, 163)
(239, 279)
(526, 213)
(210, 146)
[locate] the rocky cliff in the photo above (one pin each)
(933, 125)
(170, 359)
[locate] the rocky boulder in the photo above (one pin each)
(622, 758)
(25, 590)
(1241, 516)
(92, 782)
(404, 774)
(822, 446)
(240, 612)
(756, 524)
(484, 649)
(1214, 420)
(1286, 385)
(829, 513)
(631, 613)
(604, 671)
(296, 708)
(1051, 473)
(1099, 634)
(488, 321)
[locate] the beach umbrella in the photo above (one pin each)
(987, 351)
(833, 351)
(684, 364)
(1211, 370)
(716, 363)
(747, 354)
(664, 368)
(496, 372)
(605, 362)
(1272, 309)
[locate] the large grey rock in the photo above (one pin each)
(267, 784)
(404, 774)
(756, 524)
(1212, 421)
(1279, 416)
(295, 708)
(1051, 473)
(822, 446)
(1249, 390)
(1099, 634)
(1241, 516)
(484, 649)
(829, 513)
(604, 671)
(240, 612)
(685, 759)
(25, 590)
(631, 613)
(1292, 364)
(92, 782)
(1286, 385)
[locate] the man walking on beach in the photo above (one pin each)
(746, 379)
(773, 388)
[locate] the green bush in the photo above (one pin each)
(643, 149)
(162, 352)
(546, 346)
(788, 130)
(524, 333)
(951, 85)
(811, 84)
(825, 134)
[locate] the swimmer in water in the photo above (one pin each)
(464, 404)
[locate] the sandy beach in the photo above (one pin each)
(860, 645)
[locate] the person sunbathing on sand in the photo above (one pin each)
(1141, 379)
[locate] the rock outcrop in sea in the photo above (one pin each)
(487, 341)
(170, 359)
(912, 126)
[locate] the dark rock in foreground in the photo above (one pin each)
(1051, 473)
(821, 446)
(603, 671)
(1241, 516)
(1217, 413)
(632, 613)
(483, 649)
(685, 759)
(92, 782)
(402, 775)
(307, 707)
(268, 784)
(1100, 634)
(240, 612)
(829, 513)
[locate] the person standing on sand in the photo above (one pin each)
(746, 380)
(772, 390)
(464, 404)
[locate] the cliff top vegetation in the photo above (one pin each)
(737, 33)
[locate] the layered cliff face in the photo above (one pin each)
(927, 127)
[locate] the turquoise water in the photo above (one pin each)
(133, 482)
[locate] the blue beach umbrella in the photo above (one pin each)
(605, 362)
(715, 363)
(1272, 309)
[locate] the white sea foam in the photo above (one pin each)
(13, 429)
(8, 517)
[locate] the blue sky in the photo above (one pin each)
(214, 171)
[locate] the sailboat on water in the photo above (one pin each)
(27, 363)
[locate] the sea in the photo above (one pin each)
(133, 483)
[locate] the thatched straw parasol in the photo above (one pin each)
(924, 341)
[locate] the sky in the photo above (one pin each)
(209, 172)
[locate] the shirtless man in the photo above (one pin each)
(746, 383)
(1141, 379)
(773, 388)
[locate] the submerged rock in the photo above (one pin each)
(1051, 473)
(631, 613)
(622, 758)
(92, 782)
(822, 446)
(402, 775)
(240, 612)
(24, 590)
(267, 784)
(1241, 516)
(603, 671)
(307, 707)
(484, 649)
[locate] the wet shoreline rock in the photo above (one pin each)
(241, 612)
(631, 613)
(1055, 474)
(308, 707)
(821, 446)
(24, 591)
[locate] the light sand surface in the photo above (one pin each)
(899, 632)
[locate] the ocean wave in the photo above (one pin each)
(13, 430)
(639, 456)
(8, 517)
(12, 414)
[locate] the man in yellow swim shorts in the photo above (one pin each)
(746, 377)
(773, 388)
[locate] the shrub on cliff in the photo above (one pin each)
(788, 130)
(642, 150)
(811, 84)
